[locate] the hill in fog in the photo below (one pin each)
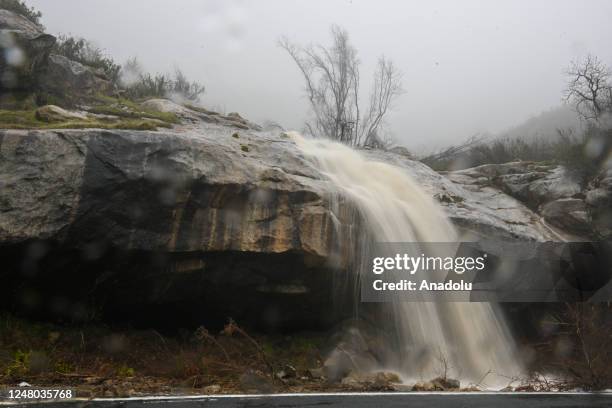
(545, 125)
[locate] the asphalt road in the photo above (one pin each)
(374, 400)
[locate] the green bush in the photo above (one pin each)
(163, 86)
(190, 90)
(19, 7)
(20, 363)
(141, 85)
(581, 154)
(125, 371)
(85, 52)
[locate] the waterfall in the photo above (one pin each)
(471, 340)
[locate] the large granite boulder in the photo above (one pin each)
(195, 114)
(557, 195)
(200, 223)
(571, 214)
(478, 208)
(71, 81)
(24, 49)
(530, 182)
(169, 222)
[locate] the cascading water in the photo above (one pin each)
(471, 339)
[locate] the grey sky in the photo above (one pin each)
(468, 66)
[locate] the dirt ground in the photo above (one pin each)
(99, 361)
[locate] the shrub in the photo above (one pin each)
(141, 85)
(586, 334)
(125, 371)
(19, 7)
(581, 154)
(183, 87)
(148, 86)
(20, 363)
(85, 52)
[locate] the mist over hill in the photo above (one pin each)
(545, 125)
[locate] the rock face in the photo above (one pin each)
(570, 214)
(550, 191)
(478, 208)
(236, 229)
(62, 77)
(198, 115)
(25, 49)
(27, 64)
(200, 223)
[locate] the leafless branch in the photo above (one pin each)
(589, 88)
(332, 79)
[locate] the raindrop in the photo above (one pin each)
(15, 56)
(594, 147)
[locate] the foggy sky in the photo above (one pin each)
(469, 66)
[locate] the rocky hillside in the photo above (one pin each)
(30, 65)
(214, 218)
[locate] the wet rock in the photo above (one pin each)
(530, 182)
(549, 191)
(446, 383)
(288, 371)
(166, 105)
(437, 384)
(24, 50)
(197, 114)
(401, 150)
(356, 347)
(525, 388)
(569, 214)
(341, 362)
(178, 220)
(316, 373)
(379, 380)
(477, 207)
(236, 118)
(212, 389)
(255, 382)
(424, 386)
(67, 79)
(52, 113)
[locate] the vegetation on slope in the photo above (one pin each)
(27, 119)
(582, 154)
(122, 110)
(19, 7)
(102, 362)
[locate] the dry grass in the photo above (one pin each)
(578, 352)
(103, 362)
(10, 119)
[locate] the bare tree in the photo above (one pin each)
(332, 82)
(387, 86)
(589, 88)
